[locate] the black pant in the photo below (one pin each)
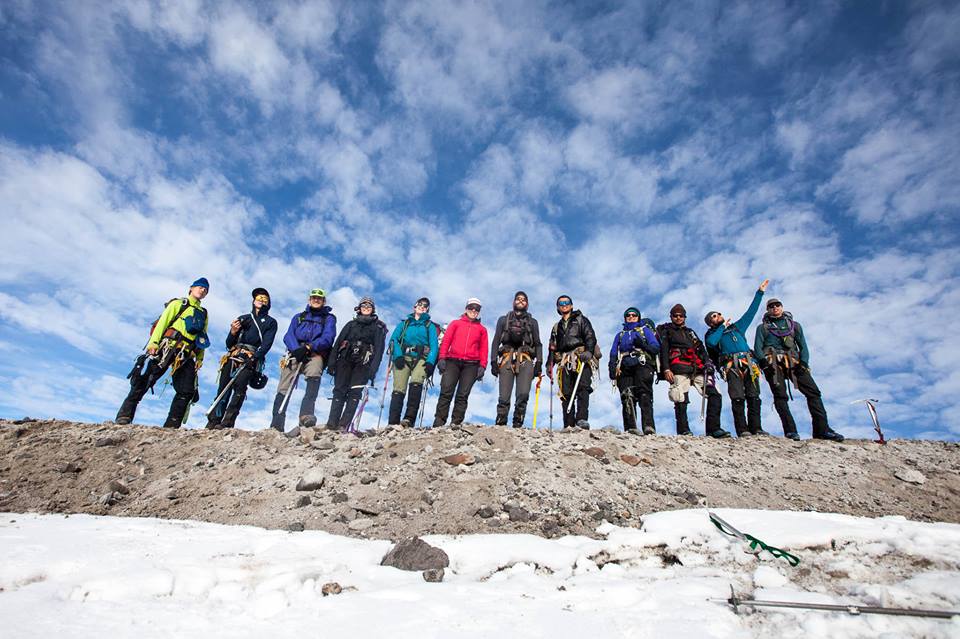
(776, 377)
(458, 376)
(228, 408)
(636, 389)
(580, 410)
(184, 381)
(524, 379)
(350, 378)
(744, 390)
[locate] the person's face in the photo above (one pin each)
(678, 318)
(473, 311)
(520, 303)
(775, 310)
(366, 308)
(421, 307)
(260, 301)
(716, 319)
(631, 317)
(198, 292)
(564, 305)
(316, 301)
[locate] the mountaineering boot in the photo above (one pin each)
(396, 407)
(126, 412)
(503, 408)
(632, 431)
(718, 434)
(583, 424)
(349, 410)
(830, 435)
(336, 412)
(649, 430)
(680, 413)
(213, 424)
(277, 422)
(414, 395)
(794, 435)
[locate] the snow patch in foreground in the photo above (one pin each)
(86, 576)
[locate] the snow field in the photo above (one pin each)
(85, 576)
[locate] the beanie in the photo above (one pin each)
(366, 299)
(632, 309)
(706, 318)
(201, 281)
(678, 308)
(519, 293)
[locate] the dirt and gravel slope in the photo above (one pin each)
(493, 479)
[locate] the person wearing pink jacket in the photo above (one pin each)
(463, 360)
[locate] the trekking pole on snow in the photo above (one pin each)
(576, 385)
(383, 400)
(293, 385)
(871, 407)
(536, 401)
(226, 389)
(852, 609)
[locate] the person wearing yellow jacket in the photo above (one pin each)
(177, 342)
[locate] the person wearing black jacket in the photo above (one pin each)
(684, 363)
(248, 342)
(573, 348)
(354, 362)
(516, 355)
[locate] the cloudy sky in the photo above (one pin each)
(624, 153)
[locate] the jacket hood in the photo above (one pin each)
(424, 318)
(629, 326)
(366, 319)
(767, 317)
(323, 310)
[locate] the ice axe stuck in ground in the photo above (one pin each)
(872, 408)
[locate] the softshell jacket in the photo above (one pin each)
(681, 351)
(165, 321)
(764, 339)
(630, 339)
(258, 330)
(316, 328)
(366, 329)
(499, 332)
(729, 340)
(416, 332)
(465, 339)
(571, 334)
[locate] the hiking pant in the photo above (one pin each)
(407, 381)
(184, 381)
(226, 411)
(458, 377)
(680, 396)
(776, 377)
(311, 371)
(350, 378)
(636, 389)
(581, 403)
(524, 379)
(742, 390)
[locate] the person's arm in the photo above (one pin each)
(802, 345)
(712, 336)
(497, 336)
(589, 336)
(290, 337)
(326, 339)
(202, 351)
(269, 335)
(484, 337)
(758, 341)
(395, 349)
(537, 343)
(163, 323)
(233, 338)
(432, 332)
(335, 351)
(743, 323)
(664, 355)
(653, 344)
(448, 338)
(378, 349)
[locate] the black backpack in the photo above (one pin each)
(517, 331)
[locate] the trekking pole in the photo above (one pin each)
(423, 400)
(226, 389)
(536, 401)
(551, 404)
(576, 385)
(852, 609)
(354, 426)
(286, 398)
(871, 407)
(383, 400)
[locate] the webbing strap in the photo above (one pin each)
(778, 553)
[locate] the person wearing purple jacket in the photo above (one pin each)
(633, 368)
(308, 341)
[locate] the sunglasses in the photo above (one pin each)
(422, 305)
(774, 305)
(677, 315)
(473, 307)
(631, 315)
(262, 298)
(564, 303)
(366, 305)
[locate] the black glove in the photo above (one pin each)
(300, 354)
(494, 370)
(428, 367)
(442, 366)
(585, 356)
(480, 371)
(613, 372)
(538, 370)
(399, 363)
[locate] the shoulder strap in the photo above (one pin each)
(184, 304)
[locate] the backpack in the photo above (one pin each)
(183, 307)
(517, 331)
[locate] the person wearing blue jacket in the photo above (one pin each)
(413, 354)
(308, 340)
(249, 340)
(633, 367)
(727, 343)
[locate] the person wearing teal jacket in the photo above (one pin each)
(177, 342)
(413, 355)
(727, 344)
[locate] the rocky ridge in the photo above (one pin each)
(455, 481)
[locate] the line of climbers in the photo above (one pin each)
(641, 354)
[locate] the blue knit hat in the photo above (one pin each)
(201, 281)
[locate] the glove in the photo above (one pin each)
(480, 372)
(550, 373)
(428, 368)
(538, 370)
(613, 372)
(442, 366)
(585, 356)
(300, 354)
(494, 370)
(399, 363)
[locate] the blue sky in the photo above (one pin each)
(625, 153)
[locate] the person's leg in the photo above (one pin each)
(524, 382)
(312, 372)
(238, 396)
(418, 375)
(643, 391)
(738, 402)
(583, 398)
(185, 384)
(776, 379)
(680, 396)
(284, 386)
(505, 383)
(128, 409)
(468, 377)
(567, 379)
(810, 390)
(625, 383)
(401, 377)
(751, 388)
(341, 386)
(224, 376)
(359, 375)
(448, 384)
